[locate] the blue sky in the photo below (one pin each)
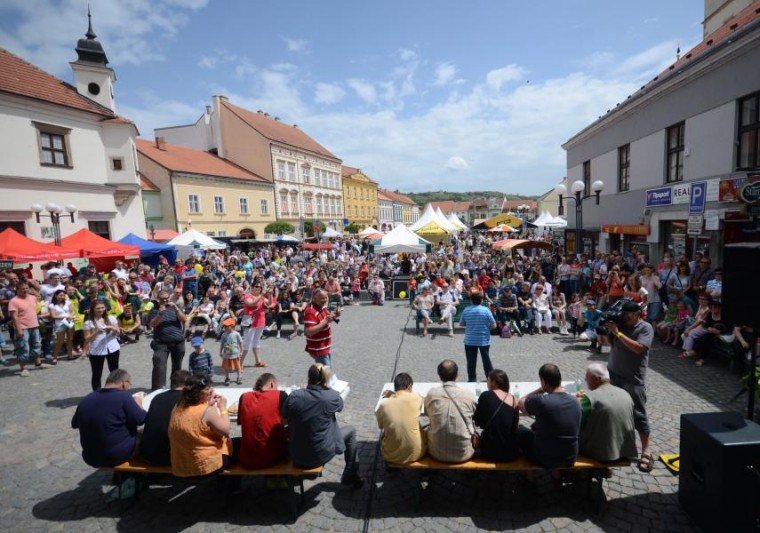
(421, 95)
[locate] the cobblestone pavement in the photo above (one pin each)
(45, 486)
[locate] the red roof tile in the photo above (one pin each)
(350, 171)
(737, 22)
(24, 79)
(147, 185)
(382, 196)
(447, 206)
(277, 131)
(398, 197)
(182, 159)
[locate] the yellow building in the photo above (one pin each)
(360, 204)
(202, 191)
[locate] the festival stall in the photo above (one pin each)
(101, 252)
(400, 240)
(150, 252)
(21, 249)
(190, 241)
(330, 233)
(503, 218)
(514, 244)
(454, 219)
(432, 227)
(314, 246)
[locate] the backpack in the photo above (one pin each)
(506, 332)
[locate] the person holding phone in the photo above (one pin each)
(166, 320)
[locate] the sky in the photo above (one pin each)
(420, 94)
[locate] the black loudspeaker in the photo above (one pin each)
(741, 290)
(719, 479)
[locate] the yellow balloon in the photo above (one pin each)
(240, 274)
(402, 294)
(198, 268)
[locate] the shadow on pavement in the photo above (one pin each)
(64, 403)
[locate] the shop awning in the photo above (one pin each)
(21, 249)
(626, 229)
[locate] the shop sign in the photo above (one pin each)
(6, 264)
(750, 193)
(695, 225)
(659, 197)
(729, 189)
(712, 220)
(625, 229)
(680, 193)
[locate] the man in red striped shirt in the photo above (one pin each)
(316, 320)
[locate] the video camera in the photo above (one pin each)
(613, 313)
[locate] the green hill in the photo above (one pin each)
(421, 198)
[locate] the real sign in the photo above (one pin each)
(697, 197)
(659, 197)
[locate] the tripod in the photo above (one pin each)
(752, 381)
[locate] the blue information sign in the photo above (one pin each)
(697, 197)
(660, 196)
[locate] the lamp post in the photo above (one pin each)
(152, 229)
(55, 211)
(522, 210)
(578, 197)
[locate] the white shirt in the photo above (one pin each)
(104, 342)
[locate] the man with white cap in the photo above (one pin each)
(447, 302)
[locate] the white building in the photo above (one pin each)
(694, 127)
(66, 145)
(306, 177)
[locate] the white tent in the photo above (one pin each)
(542, 219)
(286, 238)
(195, 239)
(556, 222)
(330, 233)
(454, 219)
(400, 240)
(428, 216)
(445, 221)
(369, 230)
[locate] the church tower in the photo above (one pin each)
(94, 79)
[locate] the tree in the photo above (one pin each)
(352, 228)
(279, 228)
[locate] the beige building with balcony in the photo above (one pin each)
(360, 203)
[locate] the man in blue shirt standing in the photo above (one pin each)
(478, 321)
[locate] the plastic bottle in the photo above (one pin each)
(516, 394)
(577, 386)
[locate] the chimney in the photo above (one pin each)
(295, 126)
(160, 143)
(208, 109)
(260, 112)
(277, 119)
(266, 115)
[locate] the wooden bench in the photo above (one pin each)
(293, 475)
(463, 304)
(597, 470)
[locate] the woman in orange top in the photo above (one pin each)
(615, 290)
(199, 429)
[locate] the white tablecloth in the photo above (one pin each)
(518, 388)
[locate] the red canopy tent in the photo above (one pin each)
(313, 246)
(21, 249)
(100, 251)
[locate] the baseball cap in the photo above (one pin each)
(229, 322)
(196, 341)
(631, 307)
(590, 302)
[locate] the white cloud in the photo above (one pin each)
(363, 89)
(328, 93)
(296, 45)
(444, 73)
(407, 55)
(650, 62)
(47, 30)
(456, 163)
(497, 78)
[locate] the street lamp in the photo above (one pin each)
(577, 195)
(55, 211)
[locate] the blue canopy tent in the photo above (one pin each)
(150, 251)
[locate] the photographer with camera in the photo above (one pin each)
(631, 339)
(166, 320)
(316, 321)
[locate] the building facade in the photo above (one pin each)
(674, 155)
(360, 204)
(202, 191)
(385, 206)
(64, 144)
(305, 176)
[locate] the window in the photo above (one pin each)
(317, 177)
(117, 163)
(100, 227)
(211, 233)
(354, 193)
(264, 207)
(244, 206)
(193, 203)
(587, 176)
(280, 170)
(319, 205)
(306, 172)
(294, 203)
(749, 132)
(675, 152)
(222, 233)
(53, 143)
(292, 171)
(362, 211)
(219, 205)
(307, 205)
(624, 168)
(284, 203)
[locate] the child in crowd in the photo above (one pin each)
(356, 290)
(590, 325)
(230, 350)
(575, 313)
(665, 328)
(201, 363)
(681, 322)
